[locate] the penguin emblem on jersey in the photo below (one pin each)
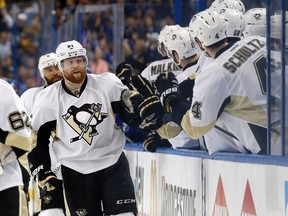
(84, 120)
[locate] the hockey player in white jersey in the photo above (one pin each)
(232, 86)
(80, 110)
(166, 64)
(49, 72)
(182, 49)
(51, 202)
(255, 22)
(15, 142)
(219, 136)
(151, 72)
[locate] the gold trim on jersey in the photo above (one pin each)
(168, 131)
(24, 143)
(23, 205)
(192, 76)
(34, 139)
(193, 131)
(242, 107)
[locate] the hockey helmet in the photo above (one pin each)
(208, 27)
(70, 49)
(255, 22)
(181, 42)
(45, 61)
(217, 5)
(235, 22)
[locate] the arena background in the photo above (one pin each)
(125, 30)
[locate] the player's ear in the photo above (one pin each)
(176, 57)
(199, 44)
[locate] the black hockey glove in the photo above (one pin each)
(46, 179)
(124, 72)
(51, 190)
(167, 86)
(186, 88)
(151, 112)
(143, 86)
(150, 108)
(153, 141)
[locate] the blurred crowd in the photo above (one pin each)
(20, 34)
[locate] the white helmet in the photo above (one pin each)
(45, 61)
(276, 27)
(181, 42)
(217, 5)
(162, 38)
(70, 49)
(161, 42)
(235, 22)
(208, 26)
(255, 20)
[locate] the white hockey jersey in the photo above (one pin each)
(14, 119)
(28, 97)
(87, 138)
(177, 137)
(152, 71)
(235, 83)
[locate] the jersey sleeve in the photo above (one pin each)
(113, 86)
(209, 97)
(14, 120)
(44, 109)
(146, 72)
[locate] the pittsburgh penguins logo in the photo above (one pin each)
(257, 16)
(81, 212)
(84, 120)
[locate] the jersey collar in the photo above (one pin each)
(81, 89)
(222, 50)
(190, 64)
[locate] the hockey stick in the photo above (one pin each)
(226, 132)
(85, 128)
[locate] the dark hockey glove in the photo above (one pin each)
(153, 141)
(186, 88)
(124, 72)
(46, 179)
(143, 86)
(151, 112)
(167, 86)
(150, 108)
(131, 100)
(51, 190)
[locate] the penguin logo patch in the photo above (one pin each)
(84, 120)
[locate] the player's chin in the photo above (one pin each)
(77, 78)
(55, 79)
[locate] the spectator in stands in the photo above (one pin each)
(5, 45)
(68, 10)
(151, 53)
(99, 65)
